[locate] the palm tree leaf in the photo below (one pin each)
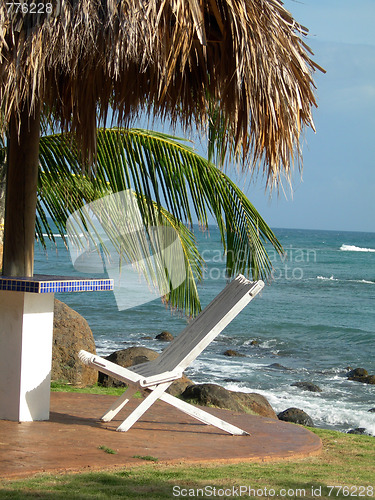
(159, 167)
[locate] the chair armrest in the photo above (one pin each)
(161, 378)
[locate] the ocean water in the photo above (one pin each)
(315, 318)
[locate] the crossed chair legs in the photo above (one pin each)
(154, 392)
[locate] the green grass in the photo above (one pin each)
(107, 450)
(62, 386)
(346, 460)
(149, 458)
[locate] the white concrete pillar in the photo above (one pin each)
(26, 332)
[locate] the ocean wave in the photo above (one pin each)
(55, 235)
(331, 278)
(353, 248)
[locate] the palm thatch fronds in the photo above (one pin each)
(165, 57)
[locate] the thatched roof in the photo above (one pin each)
(166, 57)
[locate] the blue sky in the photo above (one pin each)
(337, 187)
(336, 190)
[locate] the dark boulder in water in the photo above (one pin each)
(296, 416)
(232, 353)
(357, 372)
(278, 366)
(361, 375)
(165, 336)
(372, 410)
(307, 386)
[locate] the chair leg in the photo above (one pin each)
(143, 407)
(202, 415)
(119, 404)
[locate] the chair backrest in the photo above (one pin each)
(183, 350)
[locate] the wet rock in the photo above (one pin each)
(357, 372)
(372, 410)
(232, 353)
(358, 430)
(254, 342)
(361, 375)
(215, 395)
(278, 366)
(164, 336)
(296, 416)
(307, 386)
(71, 333)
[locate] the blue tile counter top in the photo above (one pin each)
(54, 284)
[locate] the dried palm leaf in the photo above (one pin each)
(164, 57)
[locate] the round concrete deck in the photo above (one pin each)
(70, 440)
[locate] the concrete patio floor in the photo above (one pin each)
(70, 440)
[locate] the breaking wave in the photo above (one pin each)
(353, 248)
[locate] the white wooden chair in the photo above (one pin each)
(156, 376)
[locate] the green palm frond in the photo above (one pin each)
(161, 168)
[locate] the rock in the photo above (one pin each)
(147, 337)
(357, 372)
(134, 356)
(278, 366)
(215, 395)
(372, 410)
(165, 336)
(232, 353)
(126, 357)
(296, 416)
(357, 430)
(254, 342)
(361, 375)
(307, 386)
(179, 386)
(71, 333)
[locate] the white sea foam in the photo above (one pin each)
(55, 235)
(331, 278)
(353, 248)
(325, 413)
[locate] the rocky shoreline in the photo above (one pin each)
(72, 333)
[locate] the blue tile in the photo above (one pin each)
(52, 284)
